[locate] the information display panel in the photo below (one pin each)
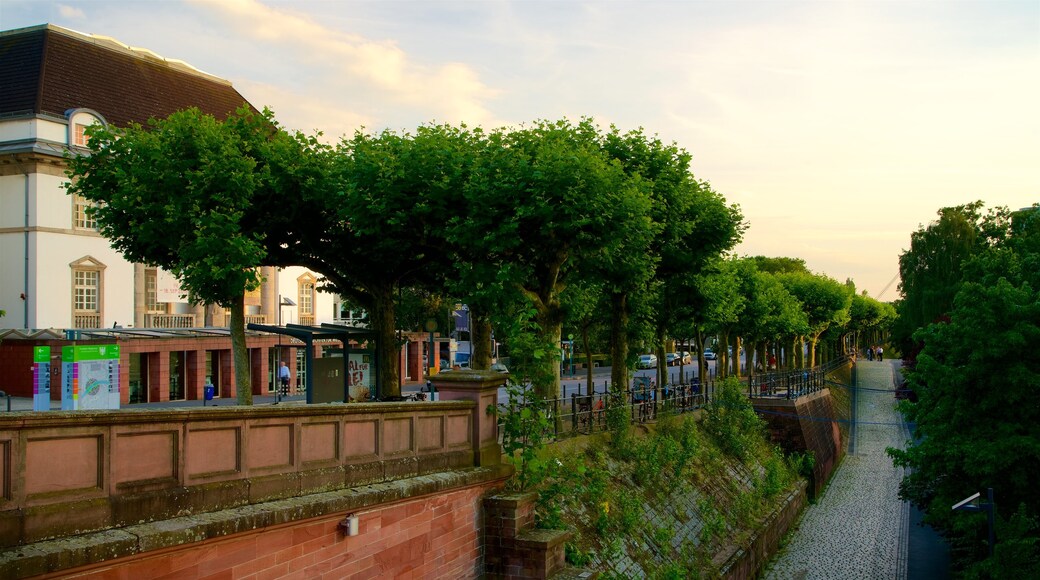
(90, 377)
(41, 378)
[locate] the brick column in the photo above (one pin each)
(482, 388)
(514, 549)
(258, 370)
(195, 374)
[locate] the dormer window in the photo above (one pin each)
(79, 120)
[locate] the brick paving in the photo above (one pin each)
(858, 527)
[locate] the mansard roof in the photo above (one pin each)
(49, 70)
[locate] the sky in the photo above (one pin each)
(838, 127)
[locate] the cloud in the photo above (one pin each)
(358, 72)
(70, 12)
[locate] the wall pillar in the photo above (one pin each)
(258, 370)
(139, 296)
(480, 387)
(195, 374)
(227, 373)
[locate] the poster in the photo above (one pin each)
(359, 376)
(90, 377)
(168, 288)
(41, 378)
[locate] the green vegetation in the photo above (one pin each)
(665, 503)
(188, 193)
(602, 234)
(976, 376)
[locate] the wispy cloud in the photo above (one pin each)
(341, 64)
(70, 12)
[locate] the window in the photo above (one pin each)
(82, 218)
(151, 296)
(87, 287)
(79, 134)
(305, 285)
(87, 292)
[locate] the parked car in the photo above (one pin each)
(499, 368)
(647, 361)
(709, 354)
(674, 359)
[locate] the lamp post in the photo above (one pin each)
(970, 505)
(282, 301)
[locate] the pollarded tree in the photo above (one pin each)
(542, 200)
(868, 316)
(377, 224)
(825, 302)
(180, 194)
(770, 311)
(691, 225)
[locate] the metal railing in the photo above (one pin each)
(583, 414)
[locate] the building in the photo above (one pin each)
(58, 272)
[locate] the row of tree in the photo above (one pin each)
(552, 224)
(969, 324)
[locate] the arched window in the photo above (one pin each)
(305, 285)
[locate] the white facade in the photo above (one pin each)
(45, 241)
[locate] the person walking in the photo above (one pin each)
(283, 378)
(879, 353)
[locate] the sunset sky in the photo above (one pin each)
(839, 127)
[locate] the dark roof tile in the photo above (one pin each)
(49, 70)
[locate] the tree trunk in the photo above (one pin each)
(480, 340)
(702, 364)
(237, 328)
(736, 355)
(722, 356)
(383, 321)
(662, 358)
(619, 341)
(550, 325)
(588, 359)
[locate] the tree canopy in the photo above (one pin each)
(181, 193)
(976, 380)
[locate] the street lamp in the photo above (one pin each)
(970, 504)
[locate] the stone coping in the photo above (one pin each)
(43, 419)
(72, 552)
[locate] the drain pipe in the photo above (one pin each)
(25, 286)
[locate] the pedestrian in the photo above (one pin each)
(870, 352)
(283, 378)
(880, 350)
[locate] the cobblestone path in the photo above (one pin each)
(858, 527)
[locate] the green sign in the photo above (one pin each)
(42, 354)
(85, 352)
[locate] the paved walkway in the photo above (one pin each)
(858, 528)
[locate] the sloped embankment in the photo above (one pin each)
(693, 497)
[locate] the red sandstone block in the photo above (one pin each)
(288, 554)
(150, 568)
(276, 571)
(306, 533)
(320, 568)
(189, 573)
(301, 562)
(245, 569)
(275, 541)
(222, 575)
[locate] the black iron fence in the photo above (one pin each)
(644, 401)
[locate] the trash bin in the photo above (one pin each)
(208, 391)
